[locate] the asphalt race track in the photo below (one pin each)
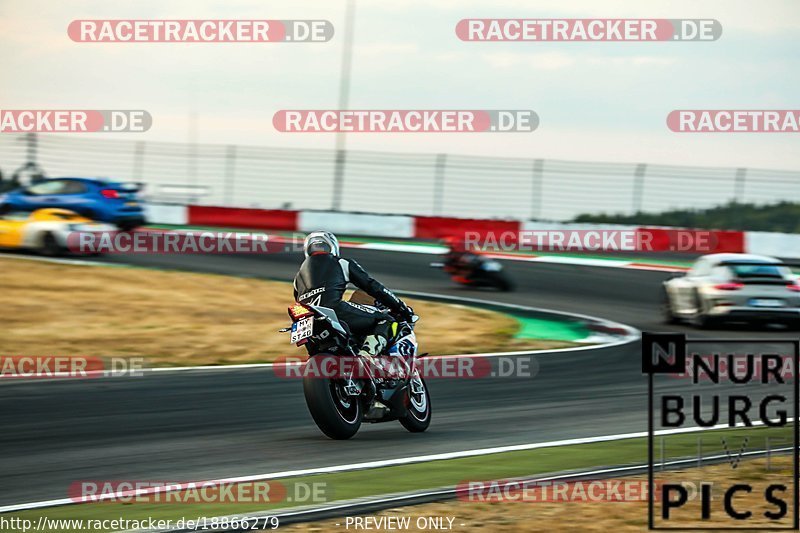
(202, 425)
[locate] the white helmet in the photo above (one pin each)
(321, 241)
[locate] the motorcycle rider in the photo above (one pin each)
(322, 280)
(459, 259)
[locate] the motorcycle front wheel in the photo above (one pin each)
(335, 413)
(418, 403)
(501, 281)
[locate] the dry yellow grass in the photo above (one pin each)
(511, 517)
(177, 318)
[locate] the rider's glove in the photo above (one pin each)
(405, 313)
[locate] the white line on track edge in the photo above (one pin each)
(368, 465)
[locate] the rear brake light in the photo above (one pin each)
(794, 287)
(109, 193)
(298, 311)
(729, 286)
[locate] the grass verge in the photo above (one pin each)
(604, 516)
(372, 482)
(180, 318)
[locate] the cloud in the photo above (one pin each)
(540, 60)
(383, 50)
(634, 61)
(406, 54)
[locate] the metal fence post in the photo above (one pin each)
(344, 98)
(31, 143)
(138, 161)
(699, 452)
(230, 173)
(438, 184)
(31, 160)
(738, 185)
(536, 188)
(769, 452)
(338, 179)
(638, 186)
(191, 160)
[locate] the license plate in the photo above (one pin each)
(131, 204)
(766, 302)
(302, 329)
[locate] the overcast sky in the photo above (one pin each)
(596, 101)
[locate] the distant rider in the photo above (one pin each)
(459, 258)
(322, 280)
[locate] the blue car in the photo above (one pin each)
(98, 199)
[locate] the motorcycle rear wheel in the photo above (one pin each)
(502, 282)
(336, 414)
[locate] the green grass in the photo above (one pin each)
(372, 482)
(537, 328)
(782, 217)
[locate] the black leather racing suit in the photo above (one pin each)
(322, 280)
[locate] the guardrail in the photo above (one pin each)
(421, 227)
(411, 183)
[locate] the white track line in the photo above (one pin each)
(57, 260)
(365, 465)
(96, 374)
(633, 263)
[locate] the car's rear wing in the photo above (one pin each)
(742, 262)
(762, 280)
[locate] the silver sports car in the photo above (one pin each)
(734, 287)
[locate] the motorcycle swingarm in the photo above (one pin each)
(395, 406)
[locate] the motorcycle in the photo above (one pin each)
(474, 270)
(343, 389)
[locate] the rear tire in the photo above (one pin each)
(496, 280)
(419, 407)
(127, 226)
(707, 322)
(666, 308)
(338, 416)
(504, 283)
(49, 246)
(703, 320)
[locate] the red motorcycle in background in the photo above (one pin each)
(466, 267)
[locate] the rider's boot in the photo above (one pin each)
(372, 347)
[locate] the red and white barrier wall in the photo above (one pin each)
(786, 245)
(423, 227)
